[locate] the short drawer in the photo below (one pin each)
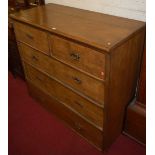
(79, 56)
(80, 105)
(90, 87)
(32, 36)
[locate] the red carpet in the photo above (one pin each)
(33, 131)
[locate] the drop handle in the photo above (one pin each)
(29, 36)
(77, 80)
(75, 56)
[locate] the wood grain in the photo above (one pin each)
(135, 124)
(124, 70)
(81, 57)
(96, 29)
(53, 88)
(82, 45)
(64, 73)
(93, 135)
(31, 36)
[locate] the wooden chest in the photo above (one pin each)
(81, 65)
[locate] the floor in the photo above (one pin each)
(33, 131)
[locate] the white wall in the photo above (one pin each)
(134, 9)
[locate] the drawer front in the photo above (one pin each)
(90, 111)
(81, 57)
(32, 36)
(85, 129)
(90, 87)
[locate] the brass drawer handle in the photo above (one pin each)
(29, 36)
(79, 104)
(77, 80)
(34, 58)
(75, 56)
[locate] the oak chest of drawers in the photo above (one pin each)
(82, 66)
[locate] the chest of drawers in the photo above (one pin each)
(82, 66)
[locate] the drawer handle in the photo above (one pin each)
(79, 104)
(75, 56)
(78, 125)
(77, 80)
(34, 58)
(29, 36)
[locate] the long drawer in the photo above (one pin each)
(91, 133)
(81, 57)
(32, 36)
(75, 102)
(89, 86)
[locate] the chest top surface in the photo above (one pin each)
(99, 30)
